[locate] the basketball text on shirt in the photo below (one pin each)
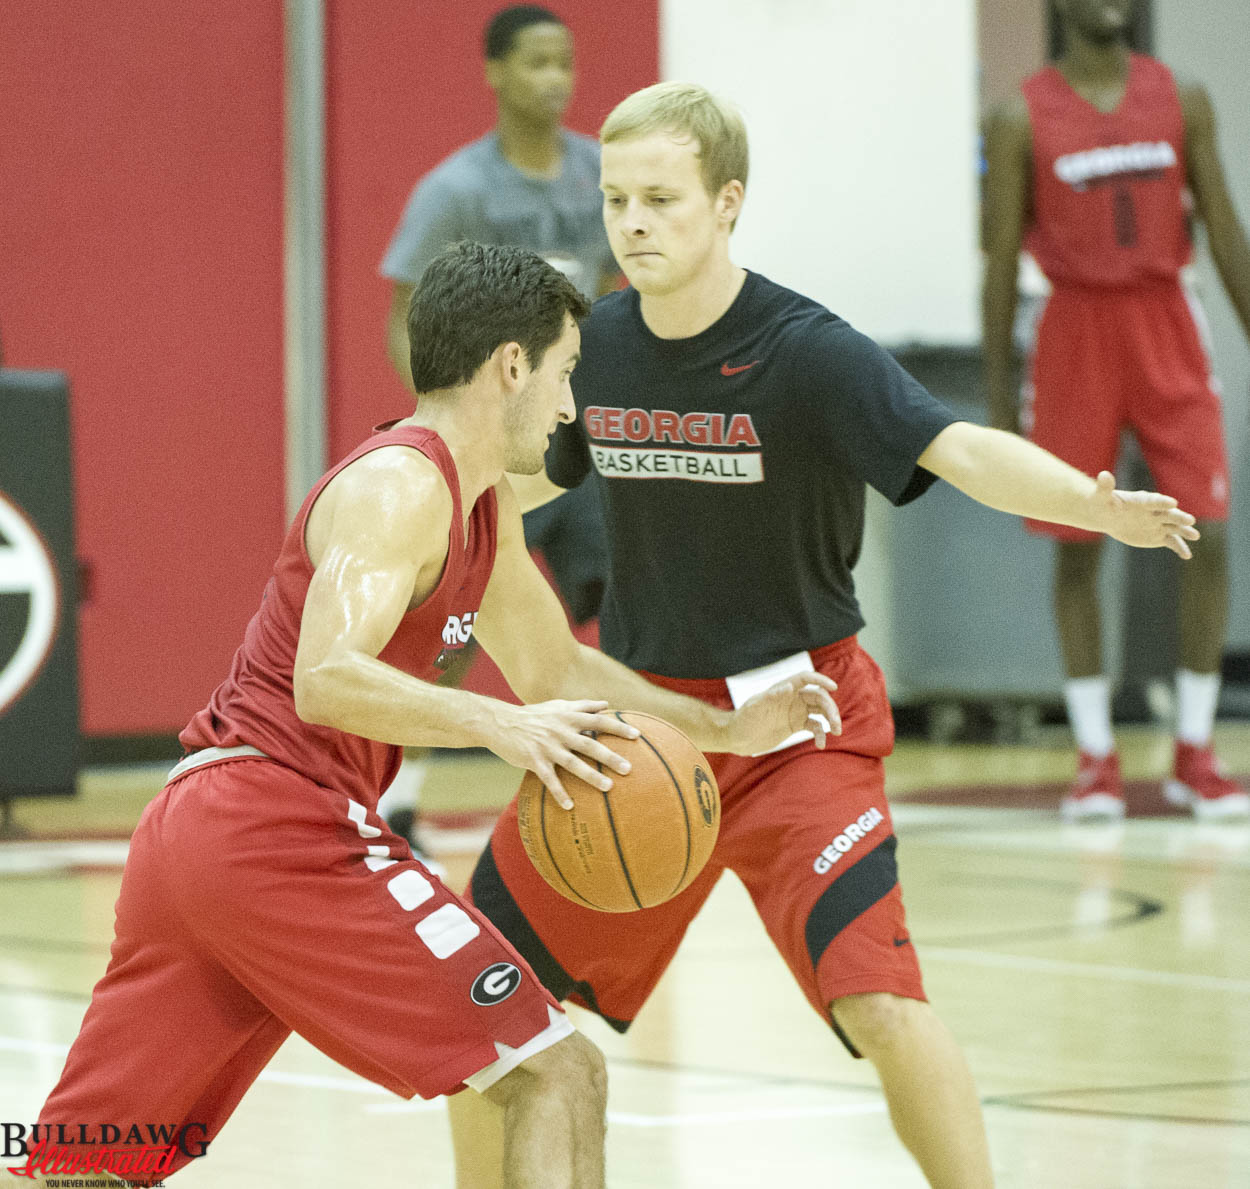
(665, 425)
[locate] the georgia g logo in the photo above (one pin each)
(495, 984)
(29, 603)
(703, 791)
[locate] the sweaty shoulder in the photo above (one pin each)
(395, 495)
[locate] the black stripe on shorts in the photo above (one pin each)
(494, 901)
(850, 895)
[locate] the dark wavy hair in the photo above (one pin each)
(472, 298)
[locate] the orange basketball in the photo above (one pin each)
(641, 842)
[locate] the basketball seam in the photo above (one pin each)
(542, 822)
(680, 801)
(616, 841)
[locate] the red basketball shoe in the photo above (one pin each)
(1097, 792)
(1199, 781)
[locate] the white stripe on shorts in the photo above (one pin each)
(509, 1058)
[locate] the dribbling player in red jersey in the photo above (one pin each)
(263, 893)
(1089, 168)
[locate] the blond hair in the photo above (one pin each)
(687, 110)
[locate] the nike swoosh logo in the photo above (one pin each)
(898, 941)
(726, 370)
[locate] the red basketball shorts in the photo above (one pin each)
(807, 831)
(255, 902)
(1111, 360)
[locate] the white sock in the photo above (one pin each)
(1089, 712)
(404, 792)
(1196, 697)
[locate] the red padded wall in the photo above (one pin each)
(141, 252)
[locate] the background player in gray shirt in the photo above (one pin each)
(528, 182)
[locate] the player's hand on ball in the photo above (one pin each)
(802, 702)
(548, 737)
(1143, 518)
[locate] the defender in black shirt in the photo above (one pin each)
(733, 466)
(731, 426)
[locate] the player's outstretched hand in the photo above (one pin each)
(548, 737)
(801, 702)
(1143, 518)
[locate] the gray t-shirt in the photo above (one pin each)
(477, 194)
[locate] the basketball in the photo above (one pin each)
(641, 842)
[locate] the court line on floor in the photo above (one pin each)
(352, 1085)
(1027, 1097)
(1022, 1101)
(55, 944)
(46, 993)
(1138, 840)
(1036, 1100)
(756, 1077)
(1204, 1084)
(1138, 907)
(704, 1118)
(311, 1081)
(1125, 974)
(358, 1086)
(28, 858)
(1103, 1113)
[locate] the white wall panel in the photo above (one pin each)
(1210, 43)
(862, 118)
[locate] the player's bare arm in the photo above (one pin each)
(397, 332)
(523, 627)
(1227, 237)
(1006, 472)
(377, 537)
(1008, 150)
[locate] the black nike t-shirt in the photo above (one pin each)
(732, 467)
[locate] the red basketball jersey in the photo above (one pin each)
(1109, 198)
(256, 703)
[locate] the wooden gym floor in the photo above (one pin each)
(1097, 977)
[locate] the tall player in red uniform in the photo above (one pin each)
(263, 893)
(1090, 168)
